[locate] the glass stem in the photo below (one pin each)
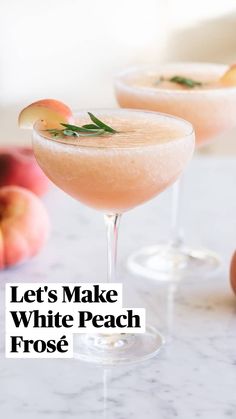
(112, 222)
(176, 231)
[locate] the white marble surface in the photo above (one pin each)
(195, 374)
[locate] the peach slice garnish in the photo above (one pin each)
(229, 77)
(49, 110)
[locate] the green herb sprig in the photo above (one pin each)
(94, 129)
(184, 81)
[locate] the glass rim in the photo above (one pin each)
(140, 69)
(62, 141)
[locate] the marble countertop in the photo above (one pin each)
(194, 376)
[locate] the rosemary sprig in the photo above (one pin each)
(95, 129)
(185, 81)
(101, 124)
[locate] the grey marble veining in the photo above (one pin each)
(195, 374)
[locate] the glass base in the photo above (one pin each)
(116, 349)
(173, 263)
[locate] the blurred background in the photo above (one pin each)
(71, 49)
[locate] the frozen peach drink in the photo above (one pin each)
(205, 95)
(114, 173)
(209, 104)
(111, 160)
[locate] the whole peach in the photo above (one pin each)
(233, 272)
(24, 225)
(18, 166)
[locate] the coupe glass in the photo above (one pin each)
(212, 111)
(113, 174)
